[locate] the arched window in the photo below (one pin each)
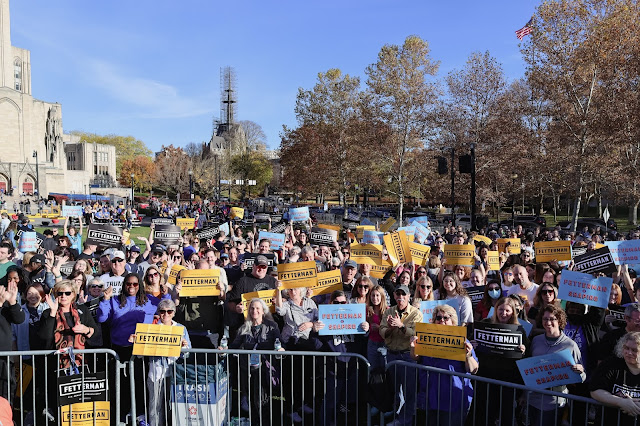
(17, 73)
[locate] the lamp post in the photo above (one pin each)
(35, 155)
(191, 189)
(514, 176)
(132, 176)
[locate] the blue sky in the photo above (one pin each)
(151, 69)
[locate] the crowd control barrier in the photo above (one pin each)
(45, 388)
(441, 395)
(240, 387)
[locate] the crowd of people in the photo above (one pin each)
(70, 294)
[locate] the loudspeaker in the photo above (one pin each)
(442, 166)
(465, 163)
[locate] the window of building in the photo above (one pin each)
(17, 73)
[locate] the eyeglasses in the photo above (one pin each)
(95, 286)
(177, 257)
(154, 274)
(549, 319)
(117, 260)
(363, 286)
(132, 284)
(339, 302)
(442, 317)
(422, 272)
(508, 273)
(426, 287)
(548, 291)
(66, 293)
(165, 311)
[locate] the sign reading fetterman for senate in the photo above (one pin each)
(441, 341)
(323, 236)
(200, 282)
(157, 340)
(104, 235)
(298, 274)
(547, 251)
(166, 234)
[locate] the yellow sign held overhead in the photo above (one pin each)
(332, 227)
(460, 254)
(158, 340)
(236, 213)
(387, 224)
(365, 253)
(86, 414)
(266, 296)
(441, 341)
(419, 253)
(361, 228)
(186, 222)
(328, 282)
(546, 251)
(509, 245)
(483, 239)
(381, 267)
(493, 260)
(298, 274)
(200, 282)
(398, 247)
(173, 273)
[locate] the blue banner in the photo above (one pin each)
(72, 211)
(277, 240)
(372, 237)
(624, 252)
(299, 214)
(422, 220)
(427, 307)
(545, 371)
(584, 288)
(342, 319)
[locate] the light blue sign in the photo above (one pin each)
(299, 214)
(372, 237)
(277, 240)
(72, 211)
(624, 252)
(421, 233)
(584, 288)
(422, 220)
(545, 371)
(224, 228)
(427, 307)
(409, 230)
(342, 319)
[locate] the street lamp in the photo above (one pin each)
(191, 189)
(35, 155)
(514, 176)
(132, 176)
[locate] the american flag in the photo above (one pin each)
(524, 31)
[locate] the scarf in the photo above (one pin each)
(65, 337)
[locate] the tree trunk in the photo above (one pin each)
(633, 213)
(555, 207)
(599, 204)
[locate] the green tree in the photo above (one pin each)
(252, 165)
(127, 147)
(404, 98)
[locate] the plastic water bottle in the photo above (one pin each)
(277, 346)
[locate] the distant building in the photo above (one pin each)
(30, 129)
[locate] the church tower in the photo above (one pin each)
(15, 63)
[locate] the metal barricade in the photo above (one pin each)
(43, 388)
(485, 402)
(240, 387)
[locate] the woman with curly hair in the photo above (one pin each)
(154, 286)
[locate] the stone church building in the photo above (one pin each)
(31, 134)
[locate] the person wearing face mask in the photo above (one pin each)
(492, 292)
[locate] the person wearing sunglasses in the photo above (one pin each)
(155, 286)
(424, 291)
(546, 294)
(160, 367)
(445, 399)
(361, 290)
(117, 271)
(343, 371)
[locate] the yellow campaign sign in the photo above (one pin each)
(441, 341)
(361, 228)
(328, 282)
(398, 247)
(158, 340)
(380, 268)
(598, 246)
(173, 273)
(419, 253)
(163, 268)
(387, 224)
(546, 251)
(460, 254)
(125, 235)
(365, 253)
(266, 296)
(493, 260)
(186, 222)
(327, 226)
(236, 213)
(200, 282)
(298, 274)
(509, 245)
(86, 414)
(27, 375)
(483, 239)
